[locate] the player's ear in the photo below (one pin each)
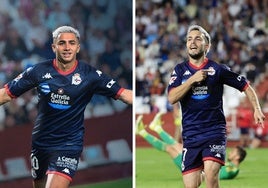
(78, 49)
(53, 48)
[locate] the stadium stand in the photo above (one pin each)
(94, 155)
(119, 151)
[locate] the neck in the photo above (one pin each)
(197, 62)
(65, 66)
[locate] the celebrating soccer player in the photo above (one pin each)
(198, 85)
(65, 86)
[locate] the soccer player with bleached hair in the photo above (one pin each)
(65, 86)
(197, 83)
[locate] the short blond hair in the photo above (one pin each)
(65, 29)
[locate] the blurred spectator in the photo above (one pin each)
(244, 122)
(37, 36)
(15, 48)
(260, 134)
(111, 57)
(153, 107)
(57, 17)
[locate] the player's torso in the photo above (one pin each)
(202, 105)
(62, 100)
(60, 91)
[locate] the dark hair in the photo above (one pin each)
(242, 153)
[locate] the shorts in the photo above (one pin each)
(244, 130)
(59, 162)
(193, 157)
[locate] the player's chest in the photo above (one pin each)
(63, 86)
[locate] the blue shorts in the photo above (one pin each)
(194, 157)
(244, 130)
(64, 163)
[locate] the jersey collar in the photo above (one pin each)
(65, 72)
(201, 66)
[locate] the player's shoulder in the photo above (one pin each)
(85, 68)
(47, 62)
(180, 64)
(39, 67)
(218, 65)
(83, 65)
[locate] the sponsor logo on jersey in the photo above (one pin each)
(239, 78)
(110, 84)
(66, 170)
(172, 79)
(67, 163)
(47, 76)
(76, 79)
(187, 73)
(99, 72)
(200, 92)
(59, 101)
(173, 73)
(218, 155)
(60, 91)
(44, 87)
(219, 149)
(18, 77)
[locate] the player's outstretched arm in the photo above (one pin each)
(126, 96)
(4, 97)
(258, 115)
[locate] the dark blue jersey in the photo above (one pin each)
(202, 106)
(63, 97)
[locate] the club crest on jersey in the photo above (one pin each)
(76, 79)
(211, 71)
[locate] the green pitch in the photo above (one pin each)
(156, 169)
(124, 183)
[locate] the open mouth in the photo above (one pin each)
(193, 48)
(66, 54)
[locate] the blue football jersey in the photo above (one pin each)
(63, 97)
(202, 106)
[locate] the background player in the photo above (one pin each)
(65, 86)
(169, 145)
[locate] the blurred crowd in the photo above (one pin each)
(26, 37)
(238, 29)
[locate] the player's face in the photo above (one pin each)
(196, 44)
(66, 46)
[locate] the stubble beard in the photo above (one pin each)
(197, 56)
